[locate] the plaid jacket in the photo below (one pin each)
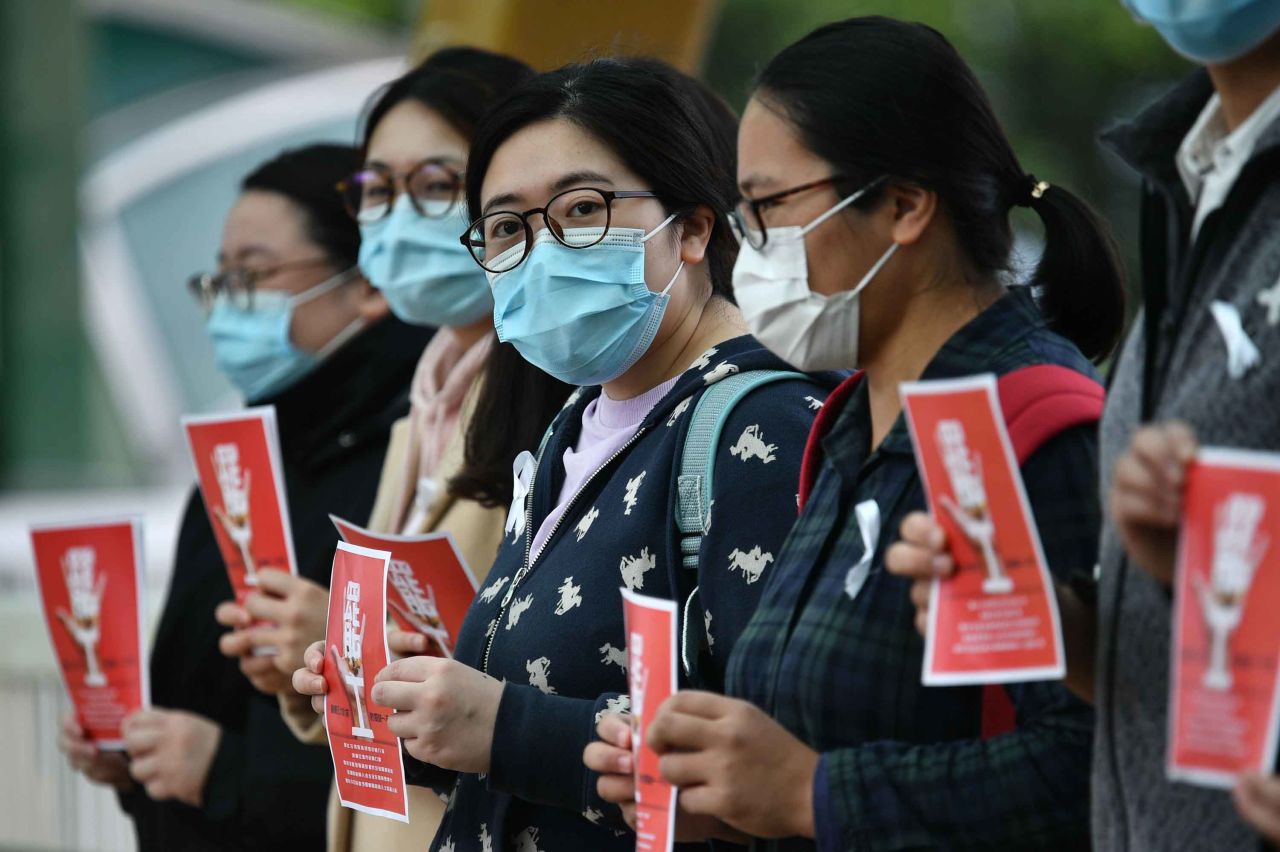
(903, 766)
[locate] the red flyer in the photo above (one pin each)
(1224, 694)
(651, 672)
(366, 755)
(237, 459)
(995, 620)
(429, 585)
(91, 583)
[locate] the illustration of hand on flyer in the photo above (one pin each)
(234, 514)
(85, 593)
(1237, 551)
(422, 611)
(350, 661)
(969, 507)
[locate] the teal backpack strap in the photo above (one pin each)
(694, 485)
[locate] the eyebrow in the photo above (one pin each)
(568, 181)
(247, 251)
(755, 181)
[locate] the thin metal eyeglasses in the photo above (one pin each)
(239, 282)
(747, 220)
(434, 188)
(577, 218)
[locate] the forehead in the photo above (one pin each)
(411, 132)
(526, 167)
(263, 221)
(770, 150)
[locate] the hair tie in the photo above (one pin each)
(1036, 189)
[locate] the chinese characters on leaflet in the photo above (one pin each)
(368, 767)
(651, 671)
(91, 584)
(995, 620)
(1224, 701)
(431, 585)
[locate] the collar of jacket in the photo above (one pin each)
(1149, 142)
(736, 355)
(352, 397)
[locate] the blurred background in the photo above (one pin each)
(125, 126)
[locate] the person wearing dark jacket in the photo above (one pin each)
(878, 187)
(213, 765)
(613, 278)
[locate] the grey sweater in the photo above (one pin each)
(1183, 375)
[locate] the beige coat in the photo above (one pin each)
(478, 532)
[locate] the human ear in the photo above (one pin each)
(912, 208)
(370, 304)
(695, 234)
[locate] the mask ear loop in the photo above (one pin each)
(665, 222)
(323, 287)
(840, 205)
(871, 273)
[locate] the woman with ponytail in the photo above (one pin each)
(877, 189)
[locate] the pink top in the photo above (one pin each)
(445, 374)
(607, 424)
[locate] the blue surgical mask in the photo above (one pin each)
(426, 275)
(1210, 31)
(251, 345)
(584, 315)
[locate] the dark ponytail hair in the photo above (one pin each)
(668, 128)
(459, 83)
(306, 176)
(874, 97)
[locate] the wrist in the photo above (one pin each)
(801, 815)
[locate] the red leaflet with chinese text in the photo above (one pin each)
(995, 620)
(429, 586)
(91, 583)
(1224, 692)
(368, 768)
(237, 459)
(651, 654)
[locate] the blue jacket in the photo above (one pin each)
(557, 638)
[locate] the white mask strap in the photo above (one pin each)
(353, 328)
(840, 205)
(871, 273)
(665, 222)
(324, 287)
(671, 283)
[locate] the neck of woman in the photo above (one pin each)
(931, 317)
(705, 324)
(470, 335)
(1243, 84)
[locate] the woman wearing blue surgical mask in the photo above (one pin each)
(597, 194)
(405, 196)
(878, 187)
(211, 765)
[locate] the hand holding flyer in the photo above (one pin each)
(1225, 689)
(651, 651)
(996, 619)
(90, 580)
(237, 460)
(368, 766)
(430, 585)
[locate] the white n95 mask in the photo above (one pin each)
(808, 330)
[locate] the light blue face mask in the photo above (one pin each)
(426, 275)
(584, 315)
(1210, 31)
(251, 345)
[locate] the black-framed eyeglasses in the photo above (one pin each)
(434, 190)
(747, 220)
(240, 282)
(577, 218)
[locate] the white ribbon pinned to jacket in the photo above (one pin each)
(868, 514)
(522, 474)
(1242, 353)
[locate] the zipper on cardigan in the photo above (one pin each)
(528, 537)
